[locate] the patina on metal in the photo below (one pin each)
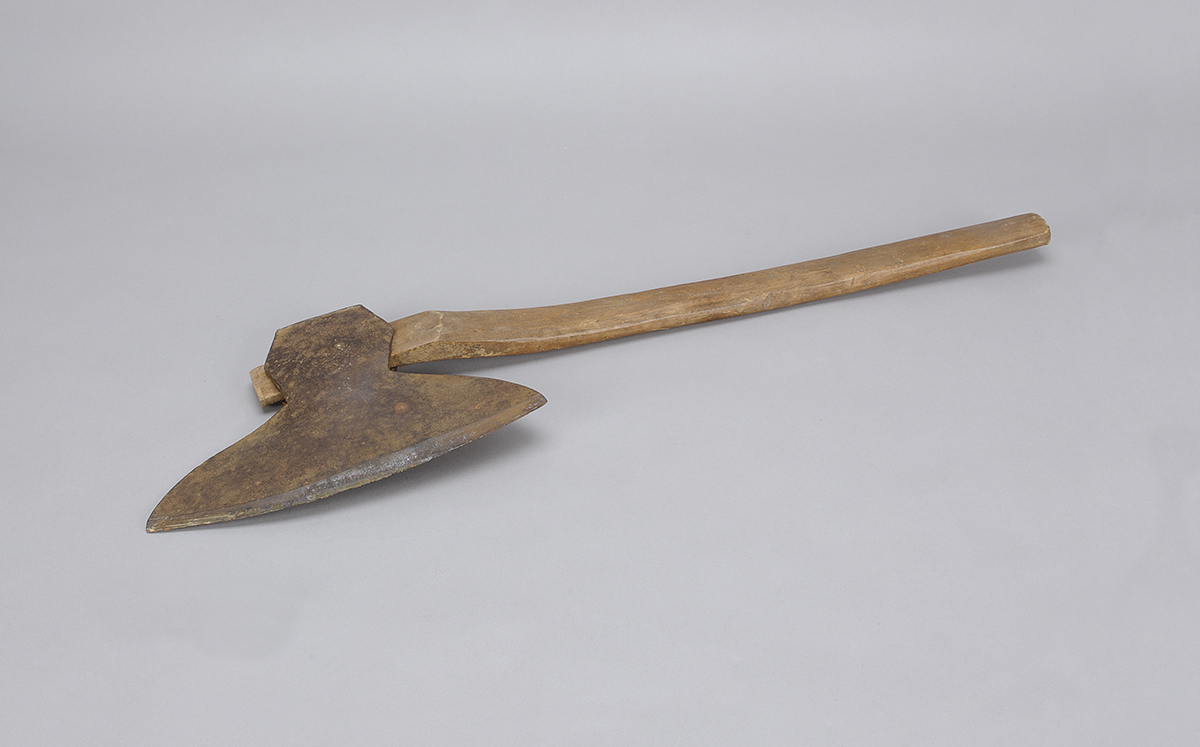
(347, 420)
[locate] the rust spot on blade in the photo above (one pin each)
(347, 420)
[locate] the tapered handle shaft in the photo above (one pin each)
(446, 335)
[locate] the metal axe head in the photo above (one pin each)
(347, 420)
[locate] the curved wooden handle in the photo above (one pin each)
(446, 335)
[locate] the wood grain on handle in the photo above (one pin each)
(446, 335)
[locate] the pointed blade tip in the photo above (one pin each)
(160, 520)
(162, 523)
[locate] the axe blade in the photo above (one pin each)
(347, 420)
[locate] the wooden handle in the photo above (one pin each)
(446, 335)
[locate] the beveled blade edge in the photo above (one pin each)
(355, 476)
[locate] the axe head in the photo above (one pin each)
(347, 420)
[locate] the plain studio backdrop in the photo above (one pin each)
(960, 510)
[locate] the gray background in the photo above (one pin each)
(962, 510)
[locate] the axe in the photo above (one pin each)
(349, 418)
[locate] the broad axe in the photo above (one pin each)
(348, 418)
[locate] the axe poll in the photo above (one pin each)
(349, 418)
